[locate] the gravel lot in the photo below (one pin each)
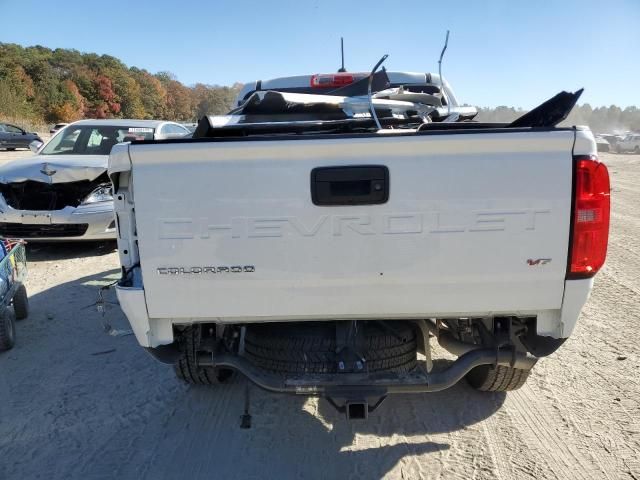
(76, 402)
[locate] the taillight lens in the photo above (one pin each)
(591, 207)
(335, 80)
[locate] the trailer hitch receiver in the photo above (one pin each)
(357, 410)
(356, 407)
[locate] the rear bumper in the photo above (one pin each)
(153, 332)
(82, 223)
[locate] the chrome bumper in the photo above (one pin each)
(99, 219)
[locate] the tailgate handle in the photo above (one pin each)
(361, 185)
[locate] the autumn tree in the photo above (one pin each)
(153, 95)
(39, 84)
(179, 105)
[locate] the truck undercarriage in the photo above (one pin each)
(356, 364)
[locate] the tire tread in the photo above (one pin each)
(311, 348)
(7, 329)
(21, 303)
(187, 369)
(497, 379)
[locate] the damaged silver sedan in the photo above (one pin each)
(63, 192)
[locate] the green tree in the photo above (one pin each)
(152, 93)
(38, 84)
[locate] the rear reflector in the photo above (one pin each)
(590, 219)
(335, 80)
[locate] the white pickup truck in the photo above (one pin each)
(300, 244)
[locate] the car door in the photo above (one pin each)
(171, 130)
(4, 136)
(623, 144)
(16, 137)
(178, 131)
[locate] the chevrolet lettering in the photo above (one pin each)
(494, 220)
(205, 270)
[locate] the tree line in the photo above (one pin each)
(612, 119)
(39, 85)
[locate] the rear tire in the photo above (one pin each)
(636, 150)
(21, 303)
(311, 347)
(488, 378)
(7, 329)
(188, 370)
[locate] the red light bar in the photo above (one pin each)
(335, 80)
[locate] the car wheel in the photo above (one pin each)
(21, 303)
(187, 368)
(488, 378)
(7, 329)
(636, 150)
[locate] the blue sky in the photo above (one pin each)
(515, 53)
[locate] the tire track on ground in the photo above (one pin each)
(540, 435)
(503, 468)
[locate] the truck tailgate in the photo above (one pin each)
(475, 223)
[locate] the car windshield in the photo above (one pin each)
(93, 140)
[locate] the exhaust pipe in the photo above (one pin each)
(447, 341)
(458, 348)
(451, 345)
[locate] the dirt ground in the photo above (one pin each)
(77, 402)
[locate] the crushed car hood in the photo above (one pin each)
(54, 168)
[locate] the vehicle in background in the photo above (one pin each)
(612, 139)
(426, 88)
(57, 127)
(13, 293)
(63, 192)
(602, 144)
(630, 143)
(190, 126)
(12, 137)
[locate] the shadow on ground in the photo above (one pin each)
(76, 402)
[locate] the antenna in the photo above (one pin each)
(371, 107)
(444, 49)
(342, 69)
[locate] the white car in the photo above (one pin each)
(63, 192)
(630, 143)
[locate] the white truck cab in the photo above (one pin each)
(318, 82)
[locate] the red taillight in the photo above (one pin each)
(590, 222)
(335, 80)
